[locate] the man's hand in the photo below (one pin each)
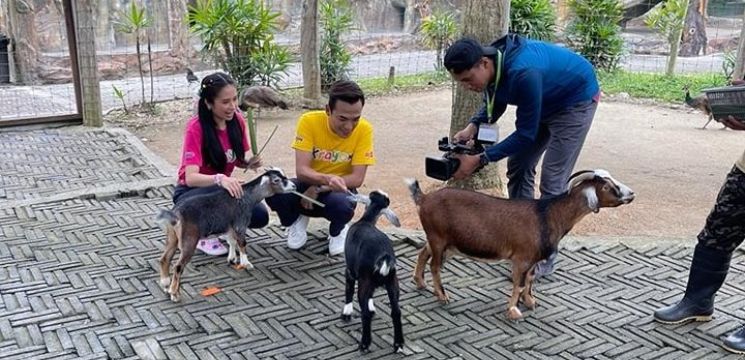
(733, 123)
(311, 192)
(468, 163)
(337, 183)
(466, 134)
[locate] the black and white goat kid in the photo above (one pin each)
(371, 261)
(214, 213)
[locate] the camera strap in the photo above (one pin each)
(490, 99)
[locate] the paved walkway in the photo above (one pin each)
(78, 280)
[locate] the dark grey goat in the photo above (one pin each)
(214, 213)
(372, 262)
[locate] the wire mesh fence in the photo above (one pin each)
(36, 69)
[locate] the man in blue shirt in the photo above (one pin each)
(556, 94)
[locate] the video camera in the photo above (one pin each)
(443, 168)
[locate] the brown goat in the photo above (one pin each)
(486, 228)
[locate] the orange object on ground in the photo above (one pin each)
(210, 291)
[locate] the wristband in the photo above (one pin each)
(218, 179)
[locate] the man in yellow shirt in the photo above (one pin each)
(333, 149)
(723, 233)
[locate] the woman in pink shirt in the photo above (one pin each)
(215, 143)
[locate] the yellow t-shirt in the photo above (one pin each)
(333, 154)
(741, 163)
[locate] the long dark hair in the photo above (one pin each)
(212, 152)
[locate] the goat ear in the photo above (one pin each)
(264, 181)
(391, 216)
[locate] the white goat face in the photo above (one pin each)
(601, 189)
(277, 182)
(611, 192)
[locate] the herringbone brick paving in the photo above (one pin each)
(78, 280)
(45, 162)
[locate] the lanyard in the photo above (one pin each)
(490, 99)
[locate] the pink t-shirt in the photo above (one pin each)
(192, 149)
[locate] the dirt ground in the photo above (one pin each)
(674, 167)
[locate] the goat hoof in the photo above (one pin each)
(398, 346)
(514, 313)
(420, 284)
(165, 282)
(530, 304)
(444, 298)
(364, 347)
(175, 298)
(346, 318)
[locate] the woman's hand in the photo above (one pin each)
(254, 162)
(232, 185)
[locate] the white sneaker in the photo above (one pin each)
(297, 233)
(336, 243)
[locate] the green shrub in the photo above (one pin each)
(239, 36)
(336, 18)
(535, 19)
(594, 31)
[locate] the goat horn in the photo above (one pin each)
(579, 177)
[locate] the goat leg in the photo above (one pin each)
(421, 262)
(240, 236)
(346, 313)
(364, 293)
(165, 260)
(232, 248)
(393, 294)
(527, 294)
(438, 255)
(188, 246)
(518, 281)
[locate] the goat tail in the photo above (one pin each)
(166, 218)
(384, 264)
(416, 191)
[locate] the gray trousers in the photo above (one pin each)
(561, 137)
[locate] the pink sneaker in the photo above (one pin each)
(212, 246)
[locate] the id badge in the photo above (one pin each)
(488, 133)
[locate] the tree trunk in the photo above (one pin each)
(310, 49)
(86, 43)
(674, 47)
(694, 39)
(178, 29)
(410, 17)
(485, 21)
(24, 40)
(104, 30)
(739, 72)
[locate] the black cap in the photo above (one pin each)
(463, 55)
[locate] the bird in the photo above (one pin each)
(258, 96)
(700, 102)
(190, 77)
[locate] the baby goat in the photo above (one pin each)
(371, 261)
(523, 231)
(213, 213)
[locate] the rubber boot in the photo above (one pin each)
(708, 270)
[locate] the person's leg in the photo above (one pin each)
(339, 211)
(259, 216)
(723, 232)
(209, 245)
(287, 206)
(568, 130)
(521, 167)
